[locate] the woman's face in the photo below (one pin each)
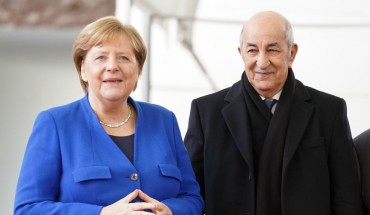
(111, 70)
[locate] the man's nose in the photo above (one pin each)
(262, 61)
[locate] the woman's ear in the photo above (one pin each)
(83, 72)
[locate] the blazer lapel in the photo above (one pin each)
(236, 118)
(101, 144)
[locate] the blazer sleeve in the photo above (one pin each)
(38, 184)
(189, 200)
(345, 186)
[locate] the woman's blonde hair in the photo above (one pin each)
(100, 31)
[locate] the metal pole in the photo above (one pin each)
(123, 10)
(145, 75)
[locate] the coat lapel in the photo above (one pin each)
(236, 118)
(300, 116)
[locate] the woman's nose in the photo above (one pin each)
(112, 65)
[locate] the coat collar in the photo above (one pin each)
(300, 116)
(236, 118)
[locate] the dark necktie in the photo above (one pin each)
(270, 103)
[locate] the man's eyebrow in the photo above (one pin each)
(251, 44)
(273, 44)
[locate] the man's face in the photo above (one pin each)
(266, 54)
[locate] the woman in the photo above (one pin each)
(107, 153)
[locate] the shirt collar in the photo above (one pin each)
(276, 96)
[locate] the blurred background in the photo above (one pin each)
(192, 52)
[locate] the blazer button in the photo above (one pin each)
(250, 177)
(134, 177)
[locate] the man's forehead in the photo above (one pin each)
(268, 44)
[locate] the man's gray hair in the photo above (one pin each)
(289, 36)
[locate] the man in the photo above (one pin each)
(362, 146)
(295, 159)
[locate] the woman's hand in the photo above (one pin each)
(125, 207)
(160, 208)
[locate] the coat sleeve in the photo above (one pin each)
(362, 145)
(194, 144)
(345, 185)
(189, 200)
(38, 184)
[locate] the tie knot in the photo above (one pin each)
(270, 102)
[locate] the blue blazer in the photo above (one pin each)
(72, 166)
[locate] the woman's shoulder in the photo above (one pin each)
(65, 110)
(152, 107)
(153, 111)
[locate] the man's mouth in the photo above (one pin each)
(112, 81)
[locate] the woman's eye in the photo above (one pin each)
(124, 58)
(99, 58)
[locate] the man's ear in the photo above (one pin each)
(293, 53)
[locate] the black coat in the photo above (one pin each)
(319, 175)
(362, 145)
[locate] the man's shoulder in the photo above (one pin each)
(320, 99)
(321, 95)
(220, 95)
